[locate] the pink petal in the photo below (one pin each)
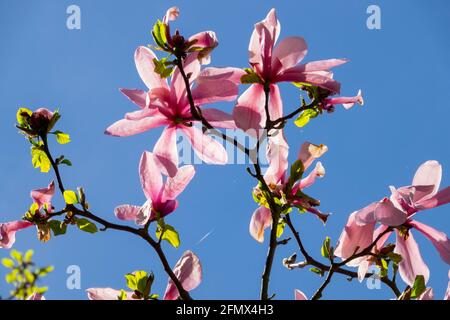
(174, 186)
(106, 294)
(314, 78)
(275, 103)
(354, 238)
(8, 232)
(249, 110)
(36, 296)
(171, 15)
(318, 172)
(321, 65)
(428, 174)
(219, 119)
(439, 199)
(412, 264)
(142, 113)
(389, 213)
(125, 127)
(166, 153)
(447, 293)
(143, 58)
(219, 74)
(151, 178)
(160, 210)
(177, 86)
(261, 220)
(366, 215)
(309, 152)
(438, 238)
(288, 53)
(208, 41)
(362, 269)
(188, 271)
(299, 295)
(214, 91)
(347, 102)
(277, 156)
(207, 149)
(138, 97)
(44, 196)
(127, 212)
(428, 294)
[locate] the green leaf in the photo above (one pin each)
(154, 296)
(62, 137)
(8, 263)
(162, 69)
(86, 225)
(250, 77)
(159, 34)
(280, 227)
(39, 158)
(395, 257)
(23, 114)
(168, 233)
(317, 271)
(44, 271)
(29, 276)
(326, 250)
(418, 287)
(297, 170)
(70, 197)
(304, 117)
(131, 281)
(58, 227)
(141, 280)
(67, 162)
(122, 295)
(12, 276)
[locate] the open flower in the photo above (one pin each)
(188, 271)
(398, 210)
(161, 196)
(278, 181)
(169, 106)
(278, 64)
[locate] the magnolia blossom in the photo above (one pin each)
(347, 102)
(398, 210)
(161, 195)
(278, 64)
(188, 270)
(42, 198)
(277, 179)
(299, 295)
(168, 105)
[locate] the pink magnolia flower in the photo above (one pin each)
(299, 295)
(188, 271)
(277, 179)
(168, 106)
(398, 210)
(42, 197)
(161, 196)
(278, 64)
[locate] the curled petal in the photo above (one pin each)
(8, 232)
(389, 213)
(318, 172)
(106, 294)
(439, 199)
(347, 102)
(428, 174)
(171, 15)
(309, 152)
(261, 220)
(44, 196)
(188, 270)
(412, 264)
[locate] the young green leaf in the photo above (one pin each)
(8, 263)
(418, 287)
(39, 158)
(70, 197)
(86, 225)
(159, 34)
(326, 249)
(305, 117)
(280, 227)
(57, 227)
(168, 233)
(62, 137)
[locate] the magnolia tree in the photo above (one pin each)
(178, 89)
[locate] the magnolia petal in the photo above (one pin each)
(249, 113)
(214, 91)
(145, 66)
(125, 127)
(219, 119)
(277, 156)
(44, 196)
(438, 239)
(106, 294)
(171, 15)
(127, 212)
(207, 149)
(221, 74)
(428, 294)
(366, 215)
(299, 295)
(412, 264)
(389, 214)
(309, 152)
(439, 199)
(8, 232)
(138, 97)
(261, 220)
(318, 172)
(165, 152)
(428, 174)
(188, 270)
(288, 53)
(354, 238)
(175, 185)
(151, 178)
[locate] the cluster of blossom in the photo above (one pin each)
(178, 105)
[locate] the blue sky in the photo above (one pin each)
(402, 70)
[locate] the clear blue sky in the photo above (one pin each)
(402, 70)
